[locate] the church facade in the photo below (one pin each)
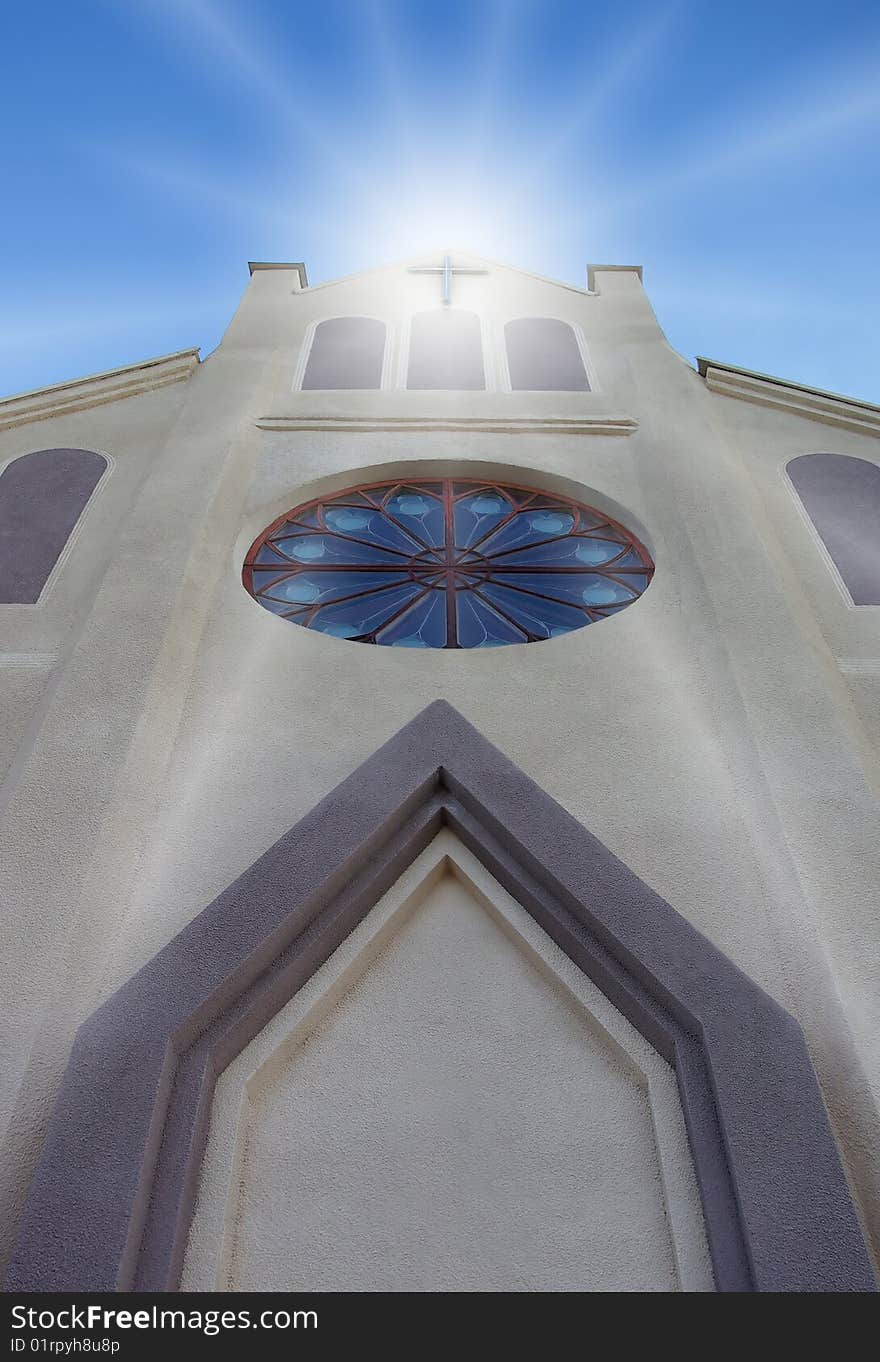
(440, 759)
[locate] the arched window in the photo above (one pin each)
(347, 352)
(543, 355)
(42, 496)
(841, 495)
(446, 350)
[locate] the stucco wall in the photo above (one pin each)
(705, 734)
(467, 1112)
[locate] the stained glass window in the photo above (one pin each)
(451, 563)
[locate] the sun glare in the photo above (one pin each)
(545, 136)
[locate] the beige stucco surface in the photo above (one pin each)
(707, 734)
(448, 1105)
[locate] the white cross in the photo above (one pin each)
(447, 269)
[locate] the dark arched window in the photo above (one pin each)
(347, 352)
(543, 355)
(446, 350)
(841, 495)
(42, 496)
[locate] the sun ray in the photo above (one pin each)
(382, 54)
(502, 30)
(820, 114)
(604, 79)
(559, 149)
(245, 202)
(218, 40)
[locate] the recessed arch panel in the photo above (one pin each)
(543, 356)
(42, 496)
(446, 350)
(346, 352)
(841, 495)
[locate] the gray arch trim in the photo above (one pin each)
(543, 356)
(841, 495)
(42, 496)
(111, 1201)
(446, 350)
(346, 352)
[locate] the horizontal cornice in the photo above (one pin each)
(97, 389)
(831, 409)
(494, 425)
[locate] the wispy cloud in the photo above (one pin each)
(38, 338)
(252, 202)
(493, 65)
(602, 81)
(820, 114)
(590, 91)
(46, 321)
(232, 54)
(706, 295)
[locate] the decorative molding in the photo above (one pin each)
(111, 1201)
(210, 1263)
(98, 389)
(396, 265)
(255, 265)
(493, 425)
(831, 409)
(593, 270)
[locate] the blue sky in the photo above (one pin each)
(150, 148)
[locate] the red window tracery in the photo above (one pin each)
(446, 563)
